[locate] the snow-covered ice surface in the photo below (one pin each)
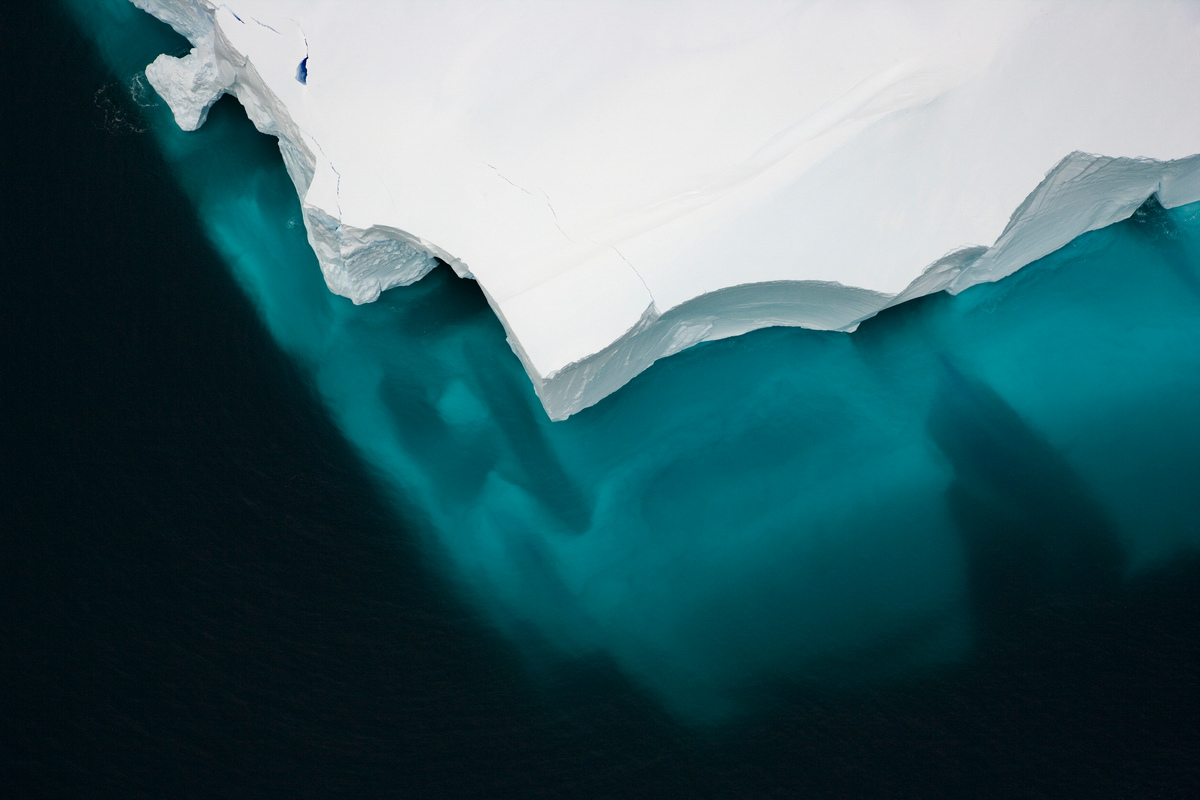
(628, 179)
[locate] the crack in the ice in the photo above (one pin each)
(296, 22)
(252, 19)
(338, 187)
(268, 27)
(554, 214)
(302, 69)
(635, 272)
(506, 180)
(545, 196)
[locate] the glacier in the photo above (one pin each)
(626, 180)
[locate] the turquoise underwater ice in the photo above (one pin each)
(785, 506)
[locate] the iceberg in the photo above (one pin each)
(787, 508)
(625, 180)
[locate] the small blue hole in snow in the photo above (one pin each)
(302, 71)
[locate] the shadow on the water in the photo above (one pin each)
(1033, 536)
(536, 466)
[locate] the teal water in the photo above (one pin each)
(785, 506)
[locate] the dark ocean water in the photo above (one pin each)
(213, 585)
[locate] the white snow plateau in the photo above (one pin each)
(627, 179)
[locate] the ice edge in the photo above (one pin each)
(1083, 192)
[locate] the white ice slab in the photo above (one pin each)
(626, 179)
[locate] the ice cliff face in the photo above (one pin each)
(627, 180)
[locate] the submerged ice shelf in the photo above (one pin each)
(626, 180)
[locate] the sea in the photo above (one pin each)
(257, 541)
